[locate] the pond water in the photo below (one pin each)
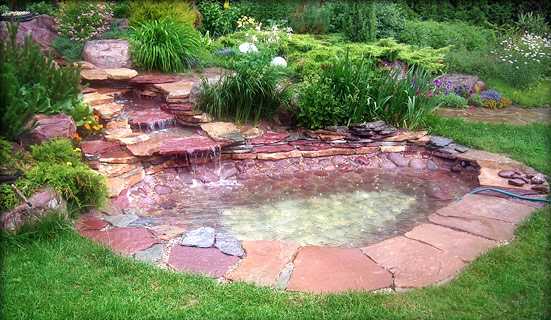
(347, 209)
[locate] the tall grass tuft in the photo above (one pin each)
(250, 93)
(165, 45)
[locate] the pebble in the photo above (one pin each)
(202, 237)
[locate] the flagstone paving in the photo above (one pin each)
(512, 115)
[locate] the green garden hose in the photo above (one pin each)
(511, 194)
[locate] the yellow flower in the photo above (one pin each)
(226, 4)
(86, 126)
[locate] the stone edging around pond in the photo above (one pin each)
(430, 253)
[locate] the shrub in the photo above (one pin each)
(533, 23)
(4, 9)
(391, 20)
(438, 35)
(340, 95)
(250, 93)
(451, 100)
(217, 21)
(476, 100)
(31, 83)
(360, 22)
(41, 7)
(121, 9)
(265, 11)
(478, 62)
(165, 45)
(82, 20)
(59, 166)
(311, 18)
(146, 11)
(69, 49)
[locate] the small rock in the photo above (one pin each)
(151, 255)
(202, 237)
(417, 164)
(279, 62)
(507, 174)
(516, 182)
(440, 142)
(228, 244)
(431, 165)
(459, 148)
(121, 220)
(247, 48)
(538, 179)
(398, 159)
(541, 188)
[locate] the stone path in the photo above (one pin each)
(510, 115)
(133, 150)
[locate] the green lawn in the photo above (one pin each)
(536, 96)
(59, 275)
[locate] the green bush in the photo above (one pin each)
(533, 23)
(476, 100)
(476, 62)
(438, 35)
(121, 9)
(69, 49)
(146, 11)
(83, 20)
(216, 20)
(250, 93)
(450, 100)
(391, 20)
(266, 11)
(41, 7)
(59, 166)
(165, 45)
(31, 83)
(359, 23)
(339, 96)
(312, 18)
(351, 90)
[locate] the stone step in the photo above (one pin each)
(151, 119)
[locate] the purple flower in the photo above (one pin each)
(490, 95)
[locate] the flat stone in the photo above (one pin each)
(243, 156)
(440, 142)
(90, 222)
(120, 73)
(489, 177)
(487, 207)
(332, 270)
(128, 138)
(418, 164)
(328, 152)
(279, 155)
(188, 146)
(460, 244)
(264, 261)
(269, 138)
(273, 148)
(46, 127)
(93, 74)
(153, 78)
(96, 98)
(175, 90)
(491, 160)
(162, 189)
(229, 244)
(108, 111)
(107, 53)
(151, 119)
(219, 131)
(207, 261)
(115, 185)
(167, 232)
(202, 237)
(116, 169)
(393, 149)
(126, 241)
(252, 133)
(398, 159)
(92, 149)
(406, 136)
(196, 119)
(516, 182)
(150, 255)
(431, 165)
(484, 227)
(84, 65)
(121, 220)
(414, 264)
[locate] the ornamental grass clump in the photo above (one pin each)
(165, 45)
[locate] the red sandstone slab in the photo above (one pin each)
(414, 264)
(273, 148)
(208, 261)
(97, 147)
(151, 118)
(460, 244)
(484, 227)
(188, 145)
(331, 270)
(126, 241)
(269, 137)
(153, 78)
(90, 222)
(488, 207)
(264, 261)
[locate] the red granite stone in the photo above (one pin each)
(274, 148)
(484, 227)
(488, 207)
(123, 240)
(414, 264)
(188, 146)
(461, 244)
(264, 261)
(90, 222)
(208, 261)
(331, 270)
(269, 137)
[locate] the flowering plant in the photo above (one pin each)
(248, 23)
(81, 21)
(492, 99)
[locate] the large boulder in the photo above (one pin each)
(42, 29)
(107, 53)
(455, 82)
(44, 127)
(42, 203)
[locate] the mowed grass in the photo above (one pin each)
(53, 273)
